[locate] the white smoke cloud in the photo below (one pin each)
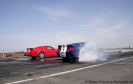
(90, 52)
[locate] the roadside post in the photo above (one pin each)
(3, 53)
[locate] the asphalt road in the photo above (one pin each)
(117, 69)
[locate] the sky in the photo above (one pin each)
(33, 23)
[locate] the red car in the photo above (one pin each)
(41, 52)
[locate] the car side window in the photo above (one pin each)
(49, 48)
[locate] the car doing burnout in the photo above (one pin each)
(41, 52)
(71, 52)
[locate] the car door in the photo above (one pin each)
(51, 52)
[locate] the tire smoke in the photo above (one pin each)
(90, 52)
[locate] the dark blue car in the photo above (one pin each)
(70, 52)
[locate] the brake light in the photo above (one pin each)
(70, 49)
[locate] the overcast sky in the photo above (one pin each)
(31, 23)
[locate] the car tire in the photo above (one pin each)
(41, 55)
(65, 59)
(76, 60)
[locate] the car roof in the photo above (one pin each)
(76, 44)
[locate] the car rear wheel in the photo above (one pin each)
(41, 55)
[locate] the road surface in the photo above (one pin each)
(117, 69)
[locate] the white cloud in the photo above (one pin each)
(52, 18)
(94, 23)
(111, 28)
(55, 13)
(101, 26)
(97, 21)
(108, 35)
